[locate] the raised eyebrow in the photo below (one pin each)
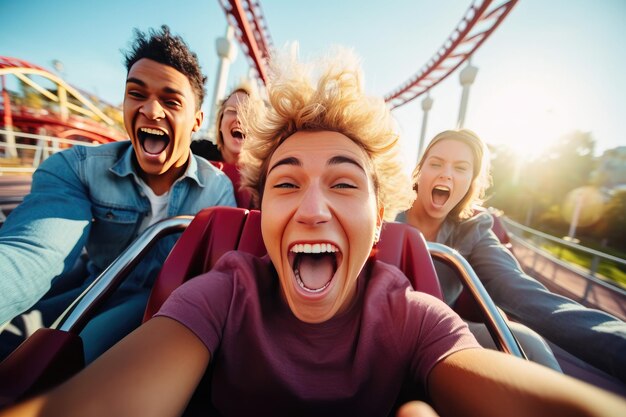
(286, 161)
(168, 90)
(171, 90)
(341, 159)
(135, 81)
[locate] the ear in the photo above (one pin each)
(199, 117)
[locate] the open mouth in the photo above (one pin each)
(153, 141)
(237, 134)
(314, 265)
(440, 195)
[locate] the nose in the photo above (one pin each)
(446, 172)
(152, 110)
(313, 208)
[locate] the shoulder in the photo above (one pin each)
(242, 262)
(466, 234)
(389, 289)
(234, 274)
(391, 283)
(237, 266)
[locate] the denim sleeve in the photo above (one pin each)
(592, 335)
(226, 194)
(43, 236)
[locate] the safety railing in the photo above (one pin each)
(23, 152)
(586, 285)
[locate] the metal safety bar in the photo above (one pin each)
(74, 318)
(499, 330)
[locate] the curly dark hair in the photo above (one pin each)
(165, 48)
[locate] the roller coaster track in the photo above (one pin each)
(21, 68)
(251, 31)
(97, 125)
(478, 23)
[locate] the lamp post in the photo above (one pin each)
(227, 52)
(427, 104)
(467, 77)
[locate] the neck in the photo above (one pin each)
(229, 157)
(160, 184)
(418, 218)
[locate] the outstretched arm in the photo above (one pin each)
(592, 335)
(43, 236)
(152, 372)
(489, 383)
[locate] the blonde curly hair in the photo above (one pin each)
(336, 102)
(481, 177)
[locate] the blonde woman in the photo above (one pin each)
(450, 180)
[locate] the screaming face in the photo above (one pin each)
(230, 130)
(445, 178)
(319, 218)
(160, 115)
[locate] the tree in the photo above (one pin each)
(612, 226)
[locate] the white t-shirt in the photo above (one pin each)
(158, 206)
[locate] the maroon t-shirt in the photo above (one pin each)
(267, 362)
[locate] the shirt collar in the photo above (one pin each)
(125, 166)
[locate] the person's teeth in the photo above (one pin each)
(152, 131)
(314, 248)
(442, 188)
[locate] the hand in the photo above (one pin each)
(416, 409)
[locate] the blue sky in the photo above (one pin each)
(550, 68)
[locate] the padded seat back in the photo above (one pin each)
(243, 197)
(404, 246)
(213, 232)
(217, 230)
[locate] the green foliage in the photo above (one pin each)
(607, 270)
(612, 226)
(532, 192)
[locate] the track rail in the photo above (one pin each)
(479, 22)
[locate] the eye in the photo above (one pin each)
(435, 164)
(135, 94)
(344, 185)
(172, 103)
(461, 169)
(285, 185)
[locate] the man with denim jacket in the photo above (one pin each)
(101, 198)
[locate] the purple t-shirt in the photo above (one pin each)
(267, 362)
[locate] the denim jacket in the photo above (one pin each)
(89, 197)
(592, 335)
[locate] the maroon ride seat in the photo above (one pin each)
(214, 231)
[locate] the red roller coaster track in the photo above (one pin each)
(478, 23)
(86, 122)
(252, 32)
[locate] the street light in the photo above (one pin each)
(466, 77)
